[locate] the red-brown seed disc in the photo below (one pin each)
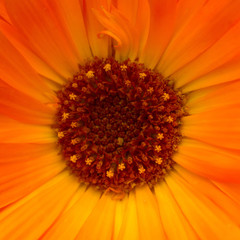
(118, 124)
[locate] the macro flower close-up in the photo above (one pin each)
(120, 119)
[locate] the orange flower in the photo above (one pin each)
(193, 44)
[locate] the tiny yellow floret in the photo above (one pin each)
(60, 134)
(121, 166)
(158, 148)
(65, 116)
(141, 169)
(158, 160)
(74, 124)
(107, 67)
(73, 158)
(88, 161)
(142, 75)
(169, 119)
(120, 141)
(110, 173)
(127, 83)
(90, 74)
(74, 85)
(123, 67)
(165, 96)
(150, 90)
(160, 136)
(72, 96)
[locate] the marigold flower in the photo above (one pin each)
(119, 119)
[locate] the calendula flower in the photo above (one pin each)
(119, 119)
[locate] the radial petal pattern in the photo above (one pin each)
(193, 44)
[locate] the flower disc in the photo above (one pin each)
(118, 124)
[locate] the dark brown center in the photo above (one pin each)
(118, 124)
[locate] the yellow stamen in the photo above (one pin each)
(73, 158)
(84, 89)
(72, 96)
(65, 116)
(90, 74)
(160, 136)
(150, 90)
(158, 160)
(107, 67)
(110, 173)
(141, 169)
(127, 83)
(121, 166)
(74, 124)
(123, 67)
(142, 75)
(60, 134)
(89, 161)
(74, 85)
(165, 96)
(158, 148)
(169, 119)
(120, 141)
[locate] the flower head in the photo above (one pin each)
(120, 119)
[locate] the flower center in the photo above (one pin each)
(118, 124)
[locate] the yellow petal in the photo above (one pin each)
(99, 46)
(30, 217)
(219, 126)
(150, 224)
(209, 161)
(212, 20)
(76, 215)
(206, 218)
(212, 192)
(42, 32)
(130, 227)
(174, 222)
(99, 224)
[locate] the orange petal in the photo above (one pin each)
(162, 22)
(17, 152)
(206, 99)
(76, 215)
(42, 32)
(71, 17)
(14, 132)
(174, 222)
(38, 64)
(30, 217)
(220, 126)
(3, 12)
(212, 20)
(137, 13)
(224, 74)
(121, 209)
(224, 52)
(230, 189)
(16, 72)
(22, 107)
(130, 227)
(99, 46)
(128, 26)
(99, 224)
(212, 192)
(205, 217)
(19, 179)
(209, 161)
(150, 224)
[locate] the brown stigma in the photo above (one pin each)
(118, 124)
